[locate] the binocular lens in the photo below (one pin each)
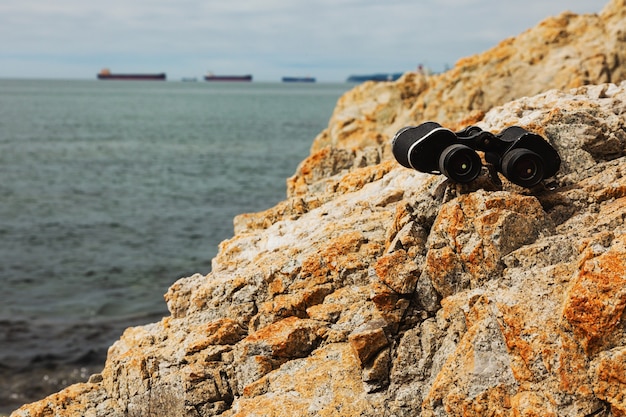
(523, 167)
(460, 163)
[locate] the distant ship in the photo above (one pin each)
(383, 76)
(212, 77)
(105, 74)
(298, 79)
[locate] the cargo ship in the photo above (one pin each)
(213, 77)
(105, 74)
(298, 79)
(383, 76)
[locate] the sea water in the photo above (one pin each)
(112, 190)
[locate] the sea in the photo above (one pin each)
(110, 191)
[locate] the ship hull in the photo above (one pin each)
(228, 77)
(298, 79)
(140, 77)
(374, 77)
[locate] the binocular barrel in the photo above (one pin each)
(523, 157)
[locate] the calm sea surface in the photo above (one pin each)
(111, 191)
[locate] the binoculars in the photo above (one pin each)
(523, 157)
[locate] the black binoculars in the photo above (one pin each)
(523, 157)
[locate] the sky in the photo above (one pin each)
(326, 39)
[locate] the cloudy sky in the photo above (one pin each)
(328, 39)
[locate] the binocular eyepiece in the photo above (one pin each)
(523, 157)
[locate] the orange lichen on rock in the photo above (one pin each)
(596, 301)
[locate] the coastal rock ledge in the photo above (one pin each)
(375, 290)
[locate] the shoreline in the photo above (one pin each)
(36, 383)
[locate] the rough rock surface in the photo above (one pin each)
(375, 290)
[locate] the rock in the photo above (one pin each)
(368, 340)
(607, 372)
(473, 232)
(273, 345)
(378, 290)
(596, 301)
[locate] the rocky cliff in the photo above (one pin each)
(374, 290)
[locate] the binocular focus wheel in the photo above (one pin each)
(460, 163)
(523, 167)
